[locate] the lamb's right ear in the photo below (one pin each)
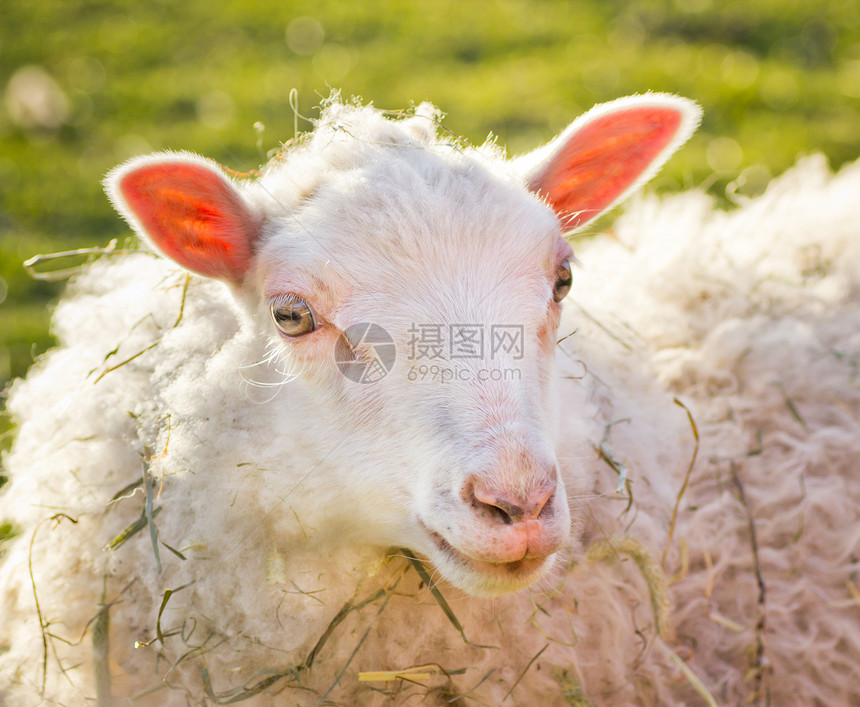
(190, 211)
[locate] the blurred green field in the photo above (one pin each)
(85, 85)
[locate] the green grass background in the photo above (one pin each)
(776, 78)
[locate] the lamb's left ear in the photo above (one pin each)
(607, 153)
(189, 209)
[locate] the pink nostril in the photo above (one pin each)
(511, 507)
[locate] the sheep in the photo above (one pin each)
(331, 437)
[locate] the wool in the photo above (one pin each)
(724, 336)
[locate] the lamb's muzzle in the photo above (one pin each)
(505, 524)
(516, 524)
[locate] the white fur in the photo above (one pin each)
(284, 485)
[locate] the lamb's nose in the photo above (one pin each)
(511, 506)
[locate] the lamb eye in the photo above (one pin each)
(564, 279)
(293, 316)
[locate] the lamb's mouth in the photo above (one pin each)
(518, 571)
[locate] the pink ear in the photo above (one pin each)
(609, 152)
(189, 210)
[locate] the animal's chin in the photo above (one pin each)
(481, 578)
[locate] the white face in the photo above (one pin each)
(448, 393)
(460, 270)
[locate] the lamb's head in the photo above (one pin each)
(412, 288)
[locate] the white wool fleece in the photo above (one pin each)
(730, 336)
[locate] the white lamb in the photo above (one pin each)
(219, 482)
